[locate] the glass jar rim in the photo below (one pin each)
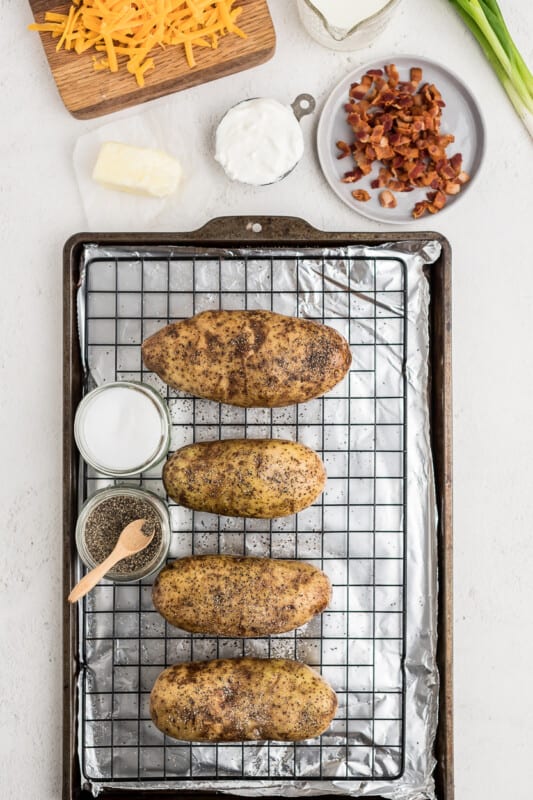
(159, 452)
(350, 31)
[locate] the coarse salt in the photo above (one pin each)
(121, 429)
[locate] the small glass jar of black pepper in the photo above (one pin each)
(102, 519)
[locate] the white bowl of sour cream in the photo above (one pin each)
(259, 141)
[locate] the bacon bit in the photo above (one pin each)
(387, 200)
(353, 176)
(420, 209)
(415, 75)
(435, 151)
(447, 171)
(398, 186)
(384, 153)
(393, 75)
(426, 178)
(444, 141)
(386, 96)
(416, 171)
(398, 124)
(365, 165)
(456, 162)
(361, 195)
(357, 92)
(452, 187)
(363, 136)
(344, 148)
(377, 134)
(440, 200)
(387, 121)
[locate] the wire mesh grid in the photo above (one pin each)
(355, 532)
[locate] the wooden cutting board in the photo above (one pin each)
(87, 93)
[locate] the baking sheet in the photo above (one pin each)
(364, 285)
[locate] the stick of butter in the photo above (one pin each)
(139, 170)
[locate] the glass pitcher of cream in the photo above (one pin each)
(345, 24)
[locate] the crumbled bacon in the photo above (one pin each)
(344, 148)
(420, 209)
(452, 187)
(397, 123)
(387, 199)
(361, 194)
(353, 176)
(416, 75)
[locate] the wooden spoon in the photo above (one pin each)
(132, 540)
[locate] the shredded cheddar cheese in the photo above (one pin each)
(131, 29)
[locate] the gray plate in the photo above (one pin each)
(461, 116)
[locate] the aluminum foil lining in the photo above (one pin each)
(379, 298)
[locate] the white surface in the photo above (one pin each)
(493, 369)
(461, 116)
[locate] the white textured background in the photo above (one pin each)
(493, 375)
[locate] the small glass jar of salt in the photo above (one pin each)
(122, 428)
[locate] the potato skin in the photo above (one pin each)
(242, 699)
(261, 478)
(240, 595)
(249, 358)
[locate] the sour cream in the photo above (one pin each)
(259, 141)
(122, 428)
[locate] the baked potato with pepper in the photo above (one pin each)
(242, 699)
(261, 478)
(226, 595)
(248, 358)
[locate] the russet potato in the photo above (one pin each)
(242, 699)
(226, 595)
(248, 358)
(261, 478)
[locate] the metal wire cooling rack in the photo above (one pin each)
(355, 531)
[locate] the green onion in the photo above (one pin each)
(486, 22)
